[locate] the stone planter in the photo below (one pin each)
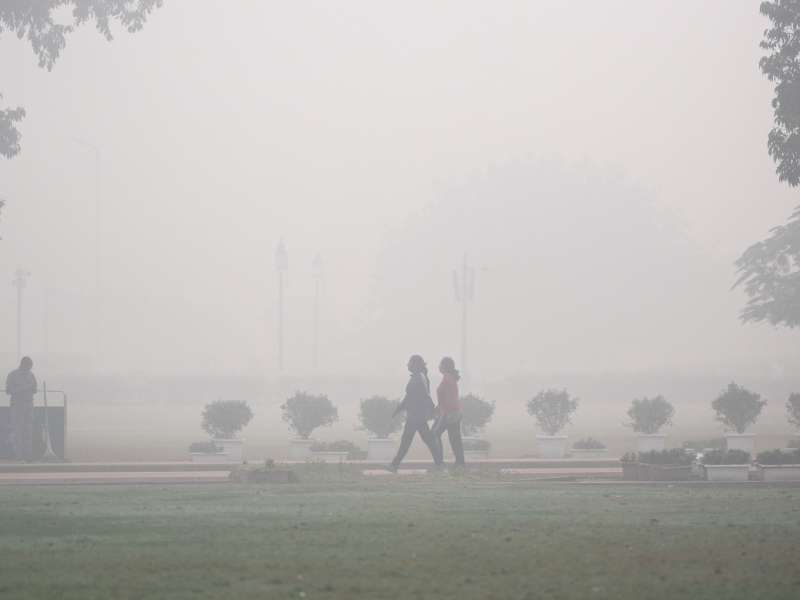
(668, 472)
(589, 453)
(209, 458)
(329, 457)
(647, 442)
(300, 449)
(551, 446)
(727, 472)
(630, 471)
(772, 473)
(741, 441)
(473, 455)
(381, 449)
(232, 448)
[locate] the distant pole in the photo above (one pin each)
(464, 286)
(281, 265)
(316, 270)
(20, 281)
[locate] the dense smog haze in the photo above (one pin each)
(258, 258)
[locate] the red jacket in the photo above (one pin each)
(447, 394)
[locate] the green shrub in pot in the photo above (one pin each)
(726, 457)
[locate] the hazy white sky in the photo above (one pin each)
(225, 126)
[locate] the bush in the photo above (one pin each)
(648, 415)
(778, 457)
(376, 416)
(477, 445)
(205, 447)
(629, 457)
(793, 410)
(726, 457)
(353, 451)
(552, 409)
(673, 456)
(589, 443)
(225, 418)
(305, 412)
(475, 414)
(700, 445)
(737, 407)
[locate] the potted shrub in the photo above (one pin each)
(630, 466)
(553, 411)
(223, 419)
(589, 448)
(305, 412)
(207, 452)
(780, 465)
(726, 465)
(475, 415)
(476, 449)
(377, 415)
(337, 451)
(648, 416)
(737, 408)
(665, 465)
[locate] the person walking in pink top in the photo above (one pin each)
(449, 408)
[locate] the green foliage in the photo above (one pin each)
(225, 418)
(629, 457)
(553, 409)
(377, 415)
(205, 447)
(9, 135)
(700, 445)
(648, 415)
(782, 67)
(778, 457)
(769, 271)
(353, 451)
(737, 407)
(475, 414)
(673, 456)
(476, 445)
(42, 24)
(305, 412)
(589, 443)
(793, 409)
(726, 457)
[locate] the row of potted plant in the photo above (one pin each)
(736, 407)
(681, 464)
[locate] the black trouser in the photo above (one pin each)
(413, 426)
(454, 435)
(22, 424)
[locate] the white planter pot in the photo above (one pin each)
(552, 446)
(300, 448)
(648, 442)
(232, 448)
(727, 472)
(780, 472)
(381, 449)
(329, 457)
(586, 453)
(209, 458)
(741, 441)
(473, 455)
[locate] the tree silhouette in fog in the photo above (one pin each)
(768, 270)
(38, 23)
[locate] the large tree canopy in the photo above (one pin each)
(768, 270)
(38, 22)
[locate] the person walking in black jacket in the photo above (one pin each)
(419, 409)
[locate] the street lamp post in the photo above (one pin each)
(20, 281)
(464, 287)
(281, 265)
(316, 271)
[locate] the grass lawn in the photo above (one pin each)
(402, 538)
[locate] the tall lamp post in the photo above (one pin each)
(316, 272)
(20, 281)
(464, 287)
(281, 265)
